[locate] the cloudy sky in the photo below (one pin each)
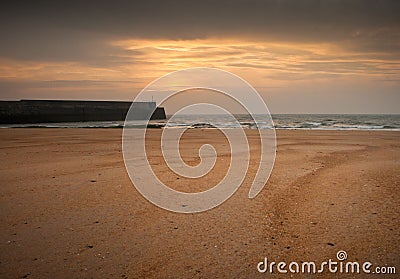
(302, 56)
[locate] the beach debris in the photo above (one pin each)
(93, 180)
(330, 244)
(89, 246)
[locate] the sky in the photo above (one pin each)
(301, 56)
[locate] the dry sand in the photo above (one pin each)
(69, 210)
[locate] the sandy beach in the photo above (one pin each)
(69, 209)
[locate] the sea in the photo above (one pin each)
(389, 122)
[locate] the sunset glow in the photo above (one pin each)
(323, 64)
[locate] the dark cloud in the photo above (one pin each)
(82, 30)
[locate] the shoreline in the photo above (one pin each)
(156, 126)
(388, 122)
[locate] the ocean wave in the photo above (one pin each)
(284, 122)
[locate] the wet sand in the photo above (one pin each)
(69, 209)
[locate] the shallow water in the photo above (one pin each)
(280, 121)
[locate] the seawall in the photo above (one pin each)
(51, 111)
